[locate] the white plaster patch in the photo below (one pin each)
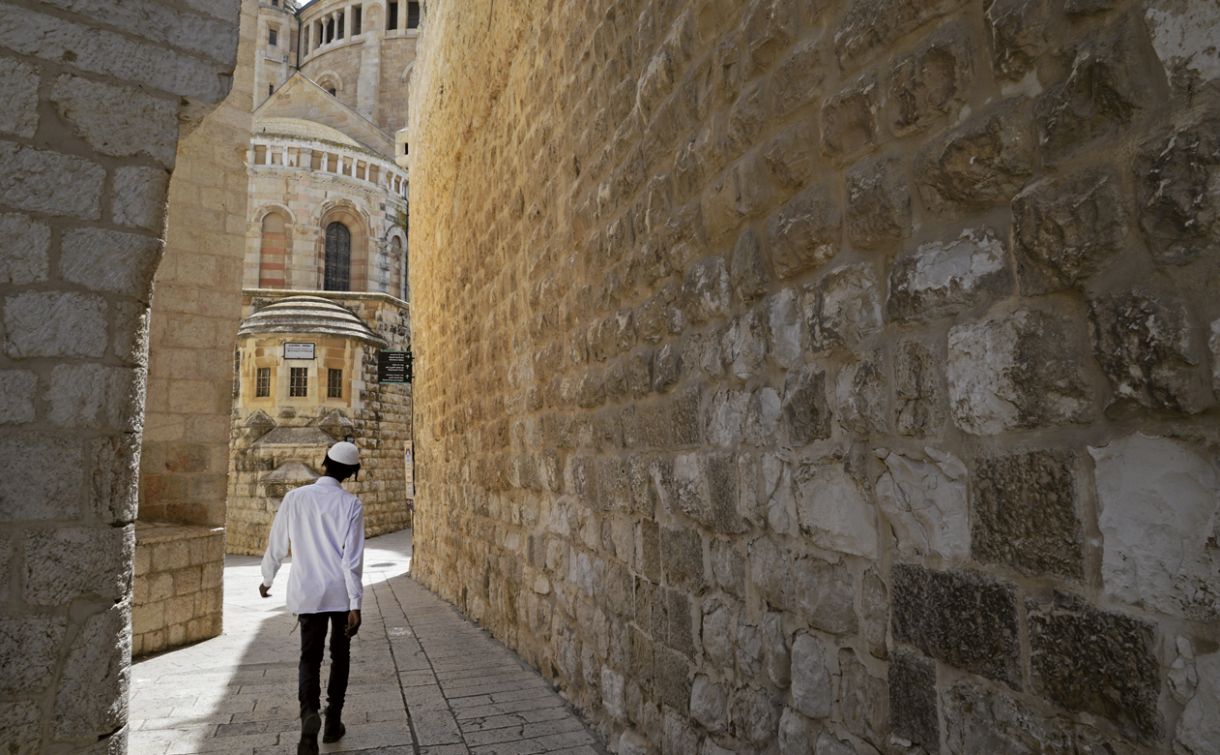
(958, 265)
(833, 510)
(982, 398)
(1160, 522)
(1186, 35)
(926, 504)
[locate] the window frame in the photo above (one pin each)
(334, 382)
(298, 382)
(262, 382)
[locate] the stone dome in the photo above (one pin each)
(307, 314)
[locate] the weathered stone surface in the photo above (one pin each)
(20, 116)
(849, 119)
(924, 502)
(1094, 661)
(1176, 175)
(1198, 729)
(862, 700)
(672, 672)
(1018, 35)
(1068, 229)
(983, 719)
(25, 246)
(92, 694)
(1025, 513)
(1214, 345)
(874, 612)
(833, 511)
(139, 197)
(54, 324)
(795, 734)
(878, 203)
(706, 291)
(845, 307)
(931, 82)
(806, 416)
(777, 658)
(1102, 94)
(872, 24)
(912, 695)
(1149, 346)
(859, 402)
(682, 557)
(749, 270)
(920, 403)
(17, 391)
(804, 234)
(984, 162)
(964, 619)
(1017, 370)
(709, 704)
(813, 669)
(824, 593)
(705, 490)
(785, 329)
(1158, 515)
(717, 637)
(61, 564)
(93, 395)
(29, 650)
(21, 725)
(1184, 36)
(939, 279)
(48, 182)
(830, 744)
(755, 714)
(55, 496)
(145, 126)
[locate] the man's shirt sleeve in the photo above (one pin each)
(277, 543)
(353, 557)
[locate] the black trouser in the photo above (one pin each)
(313, 637)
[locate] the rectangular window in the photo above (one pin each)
(342, 18)
(391, 15)
(357, 19)
(298, 382)
(262, 382)
(236, 373)
(334, 383)
(412, 15)
(273, 37)
(270, 89)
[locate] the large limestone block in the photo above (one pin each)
(65, 563)
(29, 649)
(834, 511)
(912, 696)
(1018, 370)
(924, 502)
(92, 693)
(1184, 34)
(1177, 171)
(26, 249)
(813, 669)
(939, 279)
(1198, 731)
(1159, 517)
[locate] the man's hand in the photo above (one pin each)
(264, 590)
(353, 623)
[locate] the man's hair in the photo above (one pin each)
(337, 470)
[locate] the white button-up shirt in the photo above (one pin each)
(324, 524)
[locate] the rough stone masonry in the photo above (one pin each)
(832, 376)
(95, 94)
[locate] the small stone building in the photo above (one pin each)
(307, 376)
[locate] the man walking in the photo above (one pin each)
(324, 525)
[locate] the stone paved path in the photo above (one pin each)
(424, 680)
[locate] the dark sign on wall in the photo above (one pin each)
(394, 367)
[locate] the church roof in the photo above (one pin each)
(307, 314)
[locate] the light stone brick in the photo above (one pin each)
(48, 182)
(924, 501)
(24, 250)
(63, 564)
(104, 52)
(813, 668)
(54, 324)
(29, 648)
(139, 197)
(17, 388)
(41, 496)
(21, 724)
(20, 114)
(110, 261)
(165, 24)
(92, 695)
(93, 395)
(146, 126)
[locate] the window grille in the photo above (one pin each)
(412, 15)
(338, 258)
(262, 382)
(391, 15)
(334, 383)
(298, 382)
(273, 37)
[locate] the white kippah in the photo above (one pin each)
(344, 453)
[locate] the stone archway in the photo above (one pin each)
(85, 163)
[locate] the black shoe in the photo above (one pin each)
(310, 723)
(335, 729)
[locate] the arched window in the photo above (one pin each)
(396, 267)
(338, 258)
(273, 252)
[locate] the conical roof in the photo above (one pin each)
(307, 314)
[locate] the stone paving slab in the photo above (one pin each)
(424, 681)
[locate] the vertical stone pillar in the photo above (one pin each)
(87, 143)
(368, 85)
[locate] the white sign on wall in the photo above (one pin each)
(298, 351)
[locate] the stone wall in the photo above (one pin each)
(829, 377)
(179, 586)
(96, 92)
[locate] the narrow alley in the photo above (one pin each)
(424, 679)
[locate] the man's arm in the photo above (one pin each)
(277, 548)
(353, 557)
